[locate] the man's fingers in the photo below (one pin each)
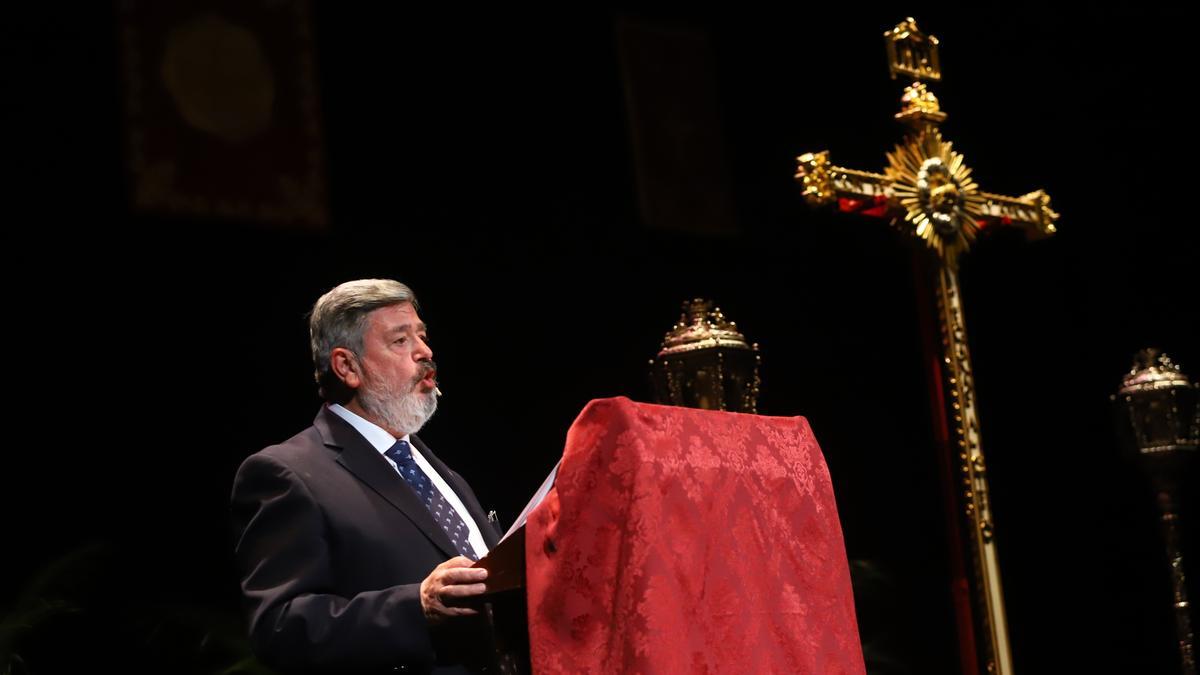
(447, 610)
(462, 575)
(462, 590)
(450, 585)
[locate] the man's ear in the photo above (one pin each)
(345, 366)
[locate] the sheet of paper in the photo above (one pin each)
(537, 499)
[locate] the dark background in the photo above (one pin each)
(488, 160)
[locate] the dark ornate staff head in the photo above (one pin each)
(1157, 416)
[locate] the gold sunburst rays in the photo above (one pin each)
(934, 186)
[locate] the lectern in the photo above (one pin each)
(678, 540)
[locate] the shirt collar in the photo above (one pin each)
(379, 439)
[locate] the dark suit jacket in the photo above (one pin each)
(332, 546)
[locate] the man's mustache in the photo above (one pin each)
(426, 367)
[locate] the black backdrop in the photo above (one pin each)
(487, 161)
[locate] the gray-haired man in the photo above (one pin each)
(354, 540)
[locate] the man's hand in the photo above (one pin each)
(447, 585)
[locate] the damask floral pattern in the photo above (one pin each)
(689, 541)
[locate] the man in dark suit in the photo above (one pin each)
(355, 541)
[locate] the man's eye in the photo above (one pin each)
(401, 340)
(425, 339)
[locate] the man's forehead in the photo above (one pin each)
(397, 318)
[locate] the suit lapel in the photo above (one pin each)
(366, 464)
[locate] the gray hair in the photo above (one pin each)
(339, 319)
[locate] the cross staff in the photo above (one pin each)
(927, 192)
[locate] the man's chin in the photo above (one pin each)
(429, 404)
(407, 415)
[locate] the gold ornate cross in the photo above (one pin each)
(927, 192)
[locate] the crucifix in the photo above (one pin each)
(927, 192)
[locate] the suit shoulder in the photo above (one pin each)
(275, 467)
(300, 450)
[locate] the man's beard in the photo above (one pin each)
(403, 410)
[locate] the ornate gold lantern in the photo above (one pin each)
(706, 363)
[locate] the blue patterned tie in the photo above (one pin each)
(439, 508)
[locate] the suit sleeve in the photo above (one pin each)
(283, 558)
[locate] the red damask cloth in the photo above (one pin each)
(689, 541)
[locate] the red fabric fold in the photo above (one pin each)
(689, 541)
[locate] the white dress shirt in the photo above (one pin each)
(382, 441)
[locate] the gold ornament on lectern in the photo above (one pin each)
(705, 362)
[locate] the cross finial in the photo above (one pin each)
(912, 53)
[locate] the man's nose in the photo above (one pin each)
(423, 351)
